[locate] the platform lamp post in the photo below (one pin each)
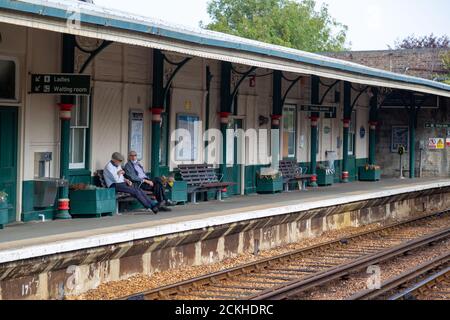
(65, 113)
(224, 114)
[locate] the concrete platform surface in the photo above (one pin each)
(35, 239)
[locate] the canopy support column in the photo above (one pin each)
(157, 109)
(412, 137)
(315, 84)
(65, 114)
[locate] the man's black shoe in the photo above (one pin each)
(155, 210)
(165, 209)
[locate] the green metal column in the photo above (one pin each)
(315, 99)
(345, 135)
(412, 137)
(67, 102)
(277, 111)
(373, 122)
(225, 112)
(157, 109)
(277, 108)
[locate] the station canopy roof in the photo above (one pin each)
(102, 23)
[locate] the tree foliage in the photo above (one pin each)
(428, 41)
(287, 23)
(446, 61)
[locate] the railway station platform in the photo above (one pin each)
(39, 259)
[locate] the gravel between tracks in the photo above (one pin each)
(139, 283)
(339, 290)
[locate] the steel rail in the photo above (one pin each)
(426, 283)
(184, 286)
(405, 278)
(295, 287)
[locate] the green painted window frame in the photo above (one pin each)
(290, 108)
(87, 154)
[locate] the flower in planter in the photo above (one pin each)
(3, 196)
(372, 167)
(82, 186)
(269, 174)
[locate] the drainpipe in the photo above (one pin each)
(65, 114)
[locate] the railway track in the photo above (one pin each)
(288, 274)
(436, 286)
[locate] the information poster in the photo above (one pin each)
(400, 137)
(187, 135)
(136, 135)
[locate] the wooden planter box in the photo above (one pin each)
(269, 185)
(93, 202)
(3, 214)
(369, 175)
(178, 193)
(324, 179)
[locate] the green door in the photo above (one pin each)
(236, 171)
(8, 156)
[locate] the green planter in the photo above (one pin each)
(324, 179)
(269, 185)
(369, 175)
(178, 193)
(93, 202)
(3, 214)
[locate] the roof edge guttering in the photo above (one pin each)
(102, 17)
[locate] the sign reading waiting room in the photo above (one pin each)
(318, 108)
(61, 84)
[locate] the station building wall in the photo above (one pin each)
(435, 163)
(122, 81)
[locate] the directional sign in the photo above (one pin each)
(437, 125)
(318, 108)
(61, 84)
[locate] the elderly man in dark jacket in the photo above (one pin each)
(135, 172)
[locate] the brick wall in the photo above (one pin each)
(424, 63)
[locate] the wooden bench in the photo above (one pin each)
(202, 178)
(291, 172)
(121, 197)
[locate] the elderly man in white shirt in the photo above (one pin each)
(114, 178)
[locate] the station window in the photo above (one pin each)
(7, 80)
(289, 131)
(352, 135)
(79, 129)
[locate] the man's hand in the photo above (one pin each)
(150, 183)
(128, 182)
(120, 173)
